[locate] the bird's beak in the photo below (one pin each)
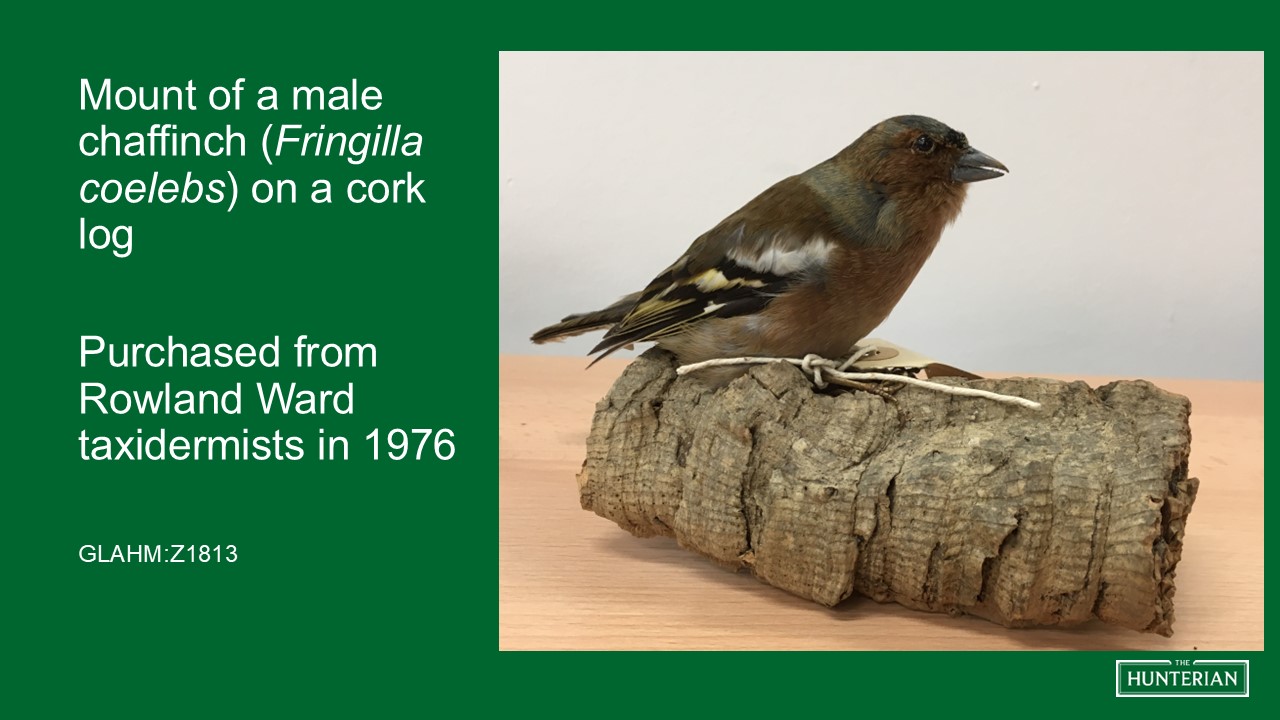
(975, 165)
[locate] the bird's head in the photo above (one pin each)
(913, 151)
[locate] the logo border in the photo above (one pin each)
(1177, 695)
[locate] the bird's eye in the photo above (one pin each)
(923, 144)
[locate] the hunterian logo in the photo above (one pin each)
(1182, 678)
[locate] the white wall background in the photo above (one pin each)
(1127, 240)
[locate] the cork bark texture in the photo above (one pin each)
(939, 503)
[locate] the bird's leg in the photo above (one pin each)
(878, 389)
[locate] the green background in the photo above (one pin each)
(366, 588)
(351, 575)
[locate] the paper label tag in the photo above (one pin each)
(889, 355)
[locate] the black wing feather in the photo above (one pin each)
(675, 300)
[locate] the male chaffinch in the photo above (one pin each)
(812, 264)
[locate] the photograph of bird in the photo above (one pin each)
(812, 264)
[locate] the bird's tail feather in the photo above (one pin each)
(586, 322)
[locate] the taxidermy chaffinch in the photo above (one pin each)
(812, 264)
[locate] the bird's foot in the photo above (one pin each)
(884, 390)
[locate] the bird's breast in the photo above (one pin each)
(829, 315)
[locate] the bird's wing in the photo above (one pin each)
(736, 269)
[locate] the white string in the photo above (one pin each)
(858, 354)
(824, 370)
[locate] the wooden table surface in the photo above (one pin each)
(570, 579)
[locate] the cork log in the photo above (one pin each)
(940, 503)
